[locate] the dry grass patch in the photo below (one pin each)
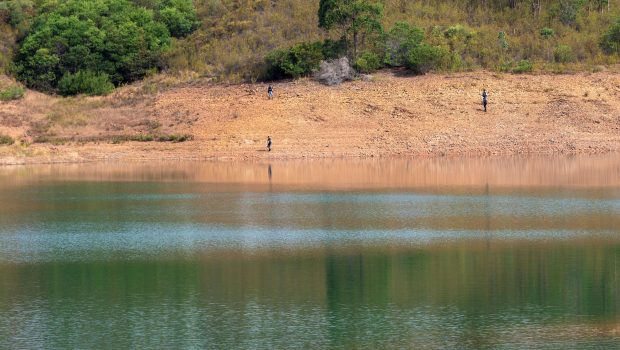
(6, 140)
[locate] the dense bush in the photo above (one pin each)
(368, 62)
(236, 35)
(458, 35)
(423, 58)
(15, 12)
(518, 67)
(85, 82)
(179, 16)
(93, 39)
(564, 54)
(12, 93)
(523, 66)
(610, 42)
(399, 41)
(302, 59)
(547, 33)
(294, 62)
(106, 36)
(333, 49)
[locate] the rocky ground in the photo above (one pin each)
(388, 115)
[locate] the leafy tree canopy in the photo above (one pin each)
(610, 42)
(356, 20)
(115, 39)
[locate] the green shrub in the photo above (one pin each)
(452, 61)
(307, 56)
(143, 138)
(174, 138)
(333, 49)
(180, 17)
(568, 9)
(610, 41)
(458, 37)
(399, 41)
(6, 140)
(502, 40)
(85, 82)
(368, 62)
(277, 62)
(5, 12)
(505, 66)
(423, 58)
(15, 12)
(12, 93)
(236, 35)
(299, 60)
(523, 66)
(458, 31)
(547, 33)
(563, 54)
(115, 37)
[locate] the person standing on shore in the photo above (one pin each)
(270, 92)
(484, 99)
(268, 143)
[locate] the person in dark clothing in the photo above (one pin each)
(268, 143)
(484, 99)
(270, 92)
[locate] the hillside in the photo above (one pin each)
(234, 36)
(392, 115)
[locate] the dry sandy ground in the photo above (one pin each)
(390, 115)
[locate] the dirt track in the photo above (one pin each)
(390, 115)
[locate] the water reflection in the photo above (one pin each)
(334, 174)
(449, 295)
(438, 253)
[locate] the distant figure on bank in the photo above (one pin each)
(484, 99)
(268, 143)
(270, 92)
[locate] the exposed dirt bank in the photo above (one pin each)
(429, 115)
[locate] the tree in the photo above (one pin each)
(356, 20)
(536, 7)
(399, 41)
(503, 42)
(569, 9)
(15, 12)
(106, 38)
(610, 42)
(179, 16)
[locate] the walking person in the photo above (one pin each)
(270, 92)
(268, 143)
(484, 99)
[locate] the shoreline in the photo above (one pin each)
(425, 116)
(433, 174)
(144, 158)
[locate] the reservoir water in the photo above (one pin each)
(497, 253)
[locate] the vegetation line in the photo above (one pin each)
(91, 46)
(114, 139)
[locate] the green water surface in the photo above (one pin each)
(159, 258)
